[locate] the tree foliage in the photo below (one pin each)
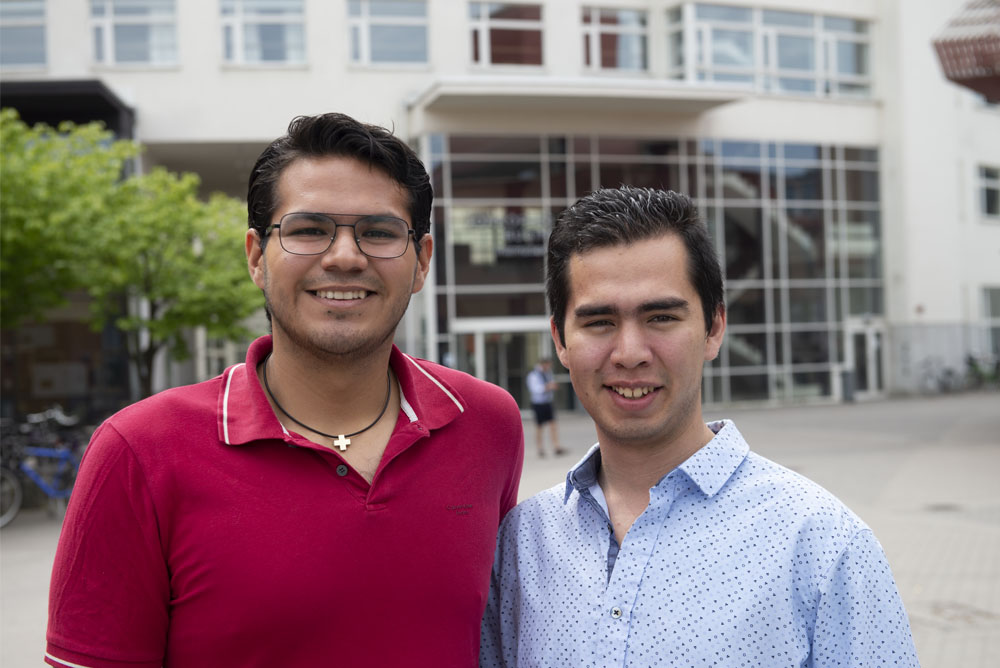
(147, 241)
(54, 186)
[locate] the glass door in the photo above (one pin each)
(864, 344)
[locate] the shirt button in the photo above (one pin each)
(616, 613)
(342, 470)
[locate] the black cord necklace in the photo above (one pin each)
(342, 440)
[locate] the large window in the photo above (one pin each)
(390, 32)
(22, 33)
(787, 52)
(614, 39)
(263, 31)
(506, 33)
(134, 32)
(989, 191)
(797, 227)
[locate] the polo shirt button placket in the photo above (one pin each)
(616, 613)
(342, 470)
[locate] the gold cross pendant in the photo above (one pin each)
(342, 442)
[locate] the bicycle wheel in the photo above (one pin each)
(11, 495)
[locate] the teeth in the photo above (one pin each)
(633, 392)
(337, 294)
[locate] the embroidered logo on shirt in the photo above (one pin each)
(460, 509)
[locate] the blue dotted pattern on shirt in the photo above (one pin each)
(736, 561)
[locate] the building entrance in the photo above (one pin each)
(505, 356)
(864, 342)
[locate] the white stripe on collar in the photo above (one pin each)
(436, 382)
(225, 402)
(407, 408)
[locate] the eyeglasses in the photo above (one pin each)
(377, 236)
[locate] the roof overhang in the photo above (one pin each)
(523, 93)
(76, 100)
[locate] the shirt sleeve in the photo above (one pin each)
(860, 619)
(492, 638)
(536, 383)
(108, 600)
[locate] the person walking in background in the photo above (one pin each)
(332, 500)
(671, 543)
(542, 387)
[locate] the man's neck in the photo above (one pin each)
(629, 470)
(330, 391)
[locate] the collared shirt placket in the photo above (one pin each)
(618, 604)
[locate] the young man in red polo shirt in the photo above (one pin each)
(332, 500)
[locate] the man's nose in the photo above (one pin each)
(344, 253)
(630, 346)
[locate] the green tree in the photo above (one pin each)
(178, 261)
(55, 185)
(147, 241)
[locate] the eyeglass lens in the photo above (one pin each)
(312, 234)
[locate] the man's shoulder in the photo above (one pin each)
(480, 393)
(543, 507)
(788, 492)
(173, 407)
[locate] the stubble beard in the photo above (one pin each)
(335, 346)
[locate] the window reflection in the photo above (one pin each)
(744, 244)
(807, 304)
(745, 306)
(496, 179)
(806, 243)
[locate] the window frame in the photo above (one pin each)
(108, 21)
(238, 22)
(593, 30)
(30, 22)
(359, 28)
(764, 73)
(986, 184)
(482, 25)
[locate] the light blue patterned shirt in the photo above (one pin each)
(737, 561)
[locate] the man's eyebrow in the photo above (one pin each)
(588, 311)
(668, 304)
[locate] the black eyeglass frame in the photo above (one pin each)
(410, 232)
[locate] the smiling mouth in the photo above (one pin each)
(341, 295)
(633, 392)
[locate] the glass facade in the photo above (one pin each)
(786, 52)
(22, 33)
(506, 33)
(797, 228)
(134, 32)
(387, 31)
(263, 31)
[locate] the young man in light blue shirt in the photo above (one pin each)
(670, 542)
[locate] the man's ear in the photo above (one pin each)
(425, 249)
(255, 257)
(557, 340)
(714, 340)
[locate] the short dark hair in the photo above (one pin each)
(338, 135)
(614, 216)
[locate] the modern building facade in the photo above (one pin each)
(852, 190)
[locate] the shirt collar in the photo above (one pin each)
(709, 468)
(245, 415)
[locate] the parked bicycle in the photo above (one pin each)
(46, 450)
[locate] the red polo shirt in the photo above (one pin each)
(201, 533)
